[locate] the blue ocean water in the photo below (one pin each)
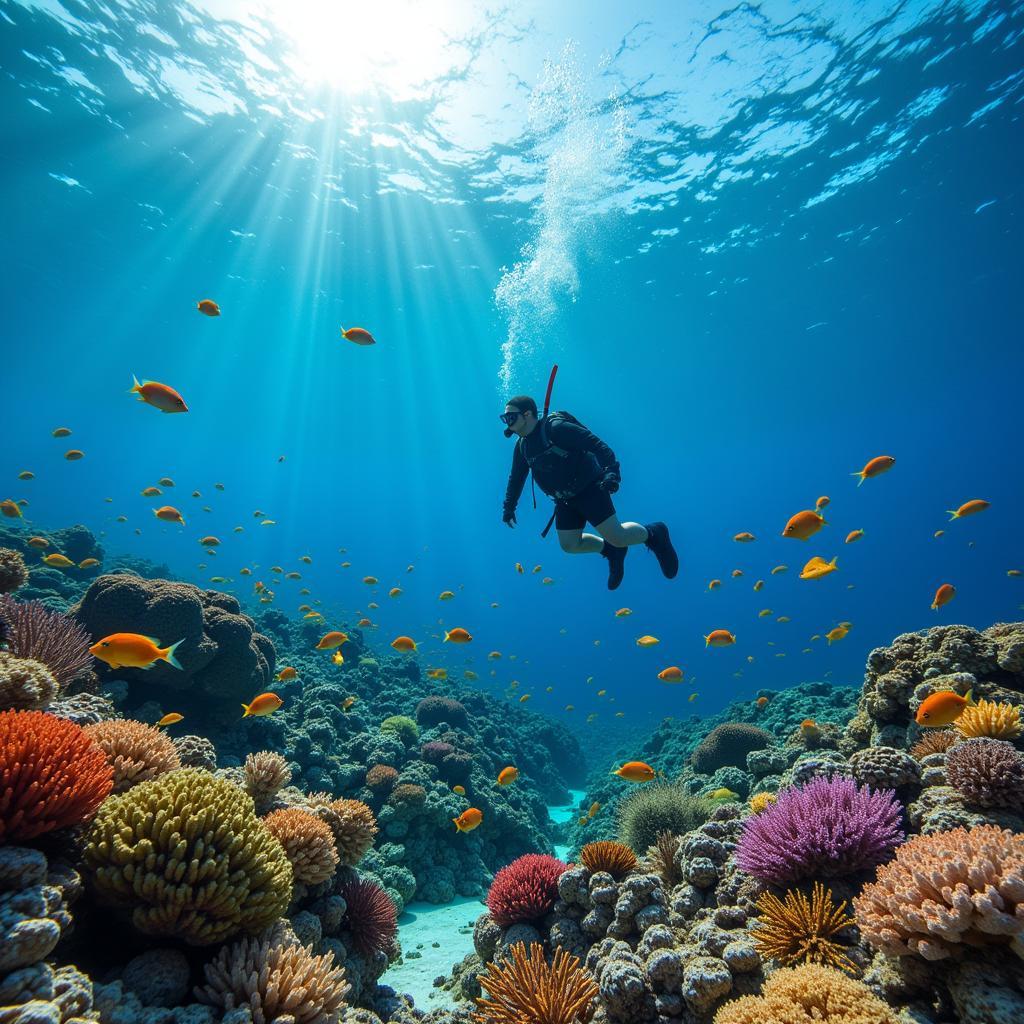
(763, 243)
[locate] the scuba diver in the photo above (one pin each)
(579, 471)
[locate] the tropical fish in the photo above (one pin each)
(208, 306)
(942, 708)
(151, 492)
(758, 586)
(264, 704)
(458, 635)
(74, 454)
(809, 729)
(470, 675)
(26, 474)
(11, 509)
(761, 701)
(347, 703)
(269, 522)
(647, 640)
(288, 672)
(170, 719)
(822, 502)
(461, 790)
(736, 573)
(210, 541)
(519, 568)
(623, 613)
(220, 487)
(583, 820)
(395, 592)
(744, 538)
(854, 535)
(359, 335)
(692, 697)
(782, 618)
(525, 697)
(594, 808)
(943, 595)
(370, 580)
(874, 467)
(672, 674)
(1009, 572)
(817, 567)
(778, 569)
(536, 569)
(338, 658)
(468, 819)
(837, 633)
(42, 542)
(723, 794)
(968, 508)
(635, 771)
(446, 595)
(165, 481)
(719, 638)
(803, 525)
(169, 514)
(293, 575)
(133, 650)
(160, 396)
(508, 775)
(329, 641)
(570, 707)
(437, 673)
(714, 584)
(61, 432)
(764, 613)
(364, 622)
(601, 693)
(58, 561)
(404, 644)
(547, 581)
(494, 655)
(88, 563)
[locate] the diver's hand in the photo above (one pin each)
(509, 519)
(609, 483)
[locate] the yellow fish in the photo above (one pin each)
(692, 697)
(58, 561)
(170, 719)
(817, 567)
(647, 641)
(88, 563)
(836, 634)
(132, 650)
(623, 612)
(778, 569)
(338, 658)
(723, 794)
(446, 595)
(764, 613)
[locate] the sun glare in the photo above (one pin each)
(396, 47)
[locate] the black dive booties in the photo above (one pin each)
(616, 564)
(660, 543)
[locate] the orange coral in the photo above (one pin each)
(266, 772)
(800, 930)
(615, 858)
(308, 843)
(528, 989)
(135, 751)
(938, 741)
(352, 822)
(51, 775)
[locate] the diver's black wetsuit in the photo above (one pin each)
(571, 465)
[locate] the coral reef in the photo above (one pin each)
(660, 807)
(307, 841)
(370, 916)
(136, 752)
(987, 773)
(435, 710)
(799, 930)
(25, 684)
(616, 859)
(524, 890)
(185, 856)
(729, 744)
(994, 719)
(47, 636)
(266, 772)
(352, 825)
(13, 571)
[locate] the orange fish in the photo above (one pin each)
(446, 595)
(943, 595)
(623, 613)
(132, 650)
(338, 658)
(817, 567)
(347, 703)
(594, 808)
(169, 514)
(74, 454)
(395, 592)
(208, 306)
(62, 432)
(494, 655)
(364, 622)
(11, 509)
(744, 538)
(672, 674)
(160, 396)
(358, 335)
(822, 502)
(803, 525)
(42, 542)
(854, 535)
(875, 467)
(647, 640)
(405, 644)
(461, 790)
(370, 580)
(941, 709)
(968, 508)
(151, 492)
(736, 573)
(714, 584)
(468, 819)
(719, 638)
(264, 704)
(635, 771)
(761, 701)
(88, 563)
(335, 638)
(457, 636)
(288, 672)
(758, 586)
(437, 673)
(210, 541)
(170, 719)
(508, 775)
(58, 561)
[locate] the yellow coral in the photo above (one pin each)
(527, 990)
(135, 751)
(995, 719)
(186, 855)
(807, 995)
(266, 772)
(352, 823)
(759, 801)
(800, 930)
(308, 843)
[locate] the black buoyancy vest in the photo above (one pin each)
(559, 473)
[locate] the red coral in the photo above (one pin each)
(371, 916)
(525, 890)
(51, 775)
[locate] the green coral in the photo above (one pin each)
(187, 857)
(660, 807)
(403, 727)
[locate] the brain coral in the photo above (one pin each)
(222, 654)
(433, 710)
(266, 772)
(884, 768)
(525, 890)
(276, 978)
(945, 891)
(370, 916)
(58, 642)
(825, 829)
(801, 995)
(187, 857)
(307, 841)
(51, 775)
(995, 719)
(25, 684)
(13, 573)
(352, 824)
(987, 773)
(728, 744)
(135, 751)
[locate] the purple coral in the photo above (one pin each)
(826, 829)
(57, 641)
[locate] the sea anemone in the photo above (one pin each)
(371, 917)
(828, 828)
(307, 841)
(135, 751)
(800, 930)
(606, 855)
(525, 890)
(660, 807)
(661, 859)
(57, 641)
(991, 719)
(51, 775)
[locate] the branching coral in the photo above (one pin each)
(13, 572)
(808, 994)
(352, 823)
(187, 857)
(525, 890)
(826, 829)
(800, 930)
(55, 640)
(308, 843)
(945, 891)
(661, 859)
(606, 855)
(527, 990)
(660, 807)
(936, 741)
(276, 978)
(51, 775)
(25, 684)
(266, 771)
(996, 720)
(729, 744)
(370, 916)
(987, 773)
(135, 751)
